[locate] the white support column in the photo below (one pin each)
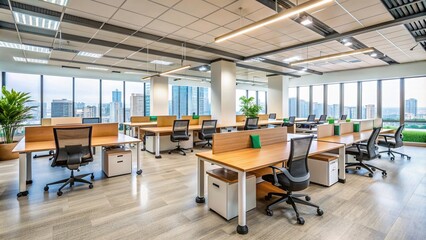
(223, 86)
(159, 96)
(278, 95)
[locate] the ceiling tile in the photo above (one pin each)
(202, 26)
(132, 18)
(221, 17)
(178, 18)
(144, 7)
(162, 26)
(199, 9)
(92, 7)
(114, 3)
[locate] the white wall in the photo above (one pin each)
(223, 91)
(159, 90)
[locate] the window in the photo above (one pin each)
(112, 101)
(415, 103)
(239, 93)
(292, 101)
(303, 101)
(261, 100)
(135, 100)
(369, 99)
(204, 101)
(86, 103)
(192, 100)
(333, 100)
(57, 96)
(350, 99)
(390, 102)
(27, 83)
(147, 99)
(318, 100)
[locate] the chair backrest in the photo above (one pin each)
(251, 123)
(371, 143)
(292, 119)
(298, 160)
(69, 137)
(399, 136)
(322, 118)
(180, 128)
(272, 116)
(91, 120)
(208, 127)
(343, 117)
(311, 118)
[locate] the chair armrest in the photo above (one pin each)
(288, 175)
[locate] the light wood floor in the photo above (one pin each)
(160, 205)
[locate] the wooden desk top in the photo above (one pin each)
(23, 146)
(250, 159)
(351, 138)
(140, 124)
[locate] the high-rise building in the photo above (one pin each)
(116, 96)
(292, 102)
(351, 112)
(411, 108)
(61, 108)
(116, 109)
(147, 101)
(303, 108)
(333, 110)
(370, 111)
(89, 111)
(204, 101)
(137, 104)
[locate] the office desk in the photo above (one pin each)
(25, 150)
(250, 159)
(162, 130)
(351, 138)
(137, 126)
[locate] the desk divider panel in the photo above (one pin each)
(60, 121)
(45, 133)
(325, 130)
(165, 121)
(378, 122)
(204, 117)
(240, 118)
(366, 125)
(191, 120)
(263, 117)
(346, 127)
(231, 141)
(139, 119)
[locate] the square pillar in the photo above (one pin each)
(278, 95)
(159, 92)
(223, 84)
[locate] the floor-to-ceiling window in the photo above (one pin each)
(369, 99)
(318, 100)
(57, 96)
(415, 103)
(86, 98)
(333, 100)
(390, 102)
(303, 102)
(147, 99)
(239, 93)
(204, 101)
(261, 101)
(135, 100)
(112, 101)
(292, 102)
(192, 101)
(350, 99)
(188, 100)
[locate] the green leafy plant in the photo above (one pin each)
(248, 107)
(13, 111)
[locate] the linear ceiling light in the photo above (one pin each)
(89, 54)
(57, 2)
(161, 62)
(24, 47)
(274, 18)
(331, 56)
(175, 70)
(30, 60)
(39, 22)
(97, 68)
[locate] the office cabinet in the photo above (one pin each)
(223, 192)
(323, 169)
(116, 162)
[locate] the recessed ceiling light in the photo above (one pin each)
(306, 20)
(255, 59)
(19, 59)
(24, 47)
(57, 2)
(373, 54)
(203, 68)
(89, 54)
(292, 59)
(30, 60)
(39, 22)
(347, 44)
(161, 62)
(97, 68)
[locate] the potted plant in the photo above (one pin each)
(248, 107)
(13, 112)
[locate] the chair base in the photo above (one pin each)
(181, 150)
(391, 153)
(370, 168)
(291, 199)
(71, 181)
(208, 144)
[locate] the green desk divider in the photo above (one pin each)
(337, 130)
(195, 116)
(348, 120)
(285, 120)
(356, 127)
(152, 118)
(331, 121)
(255, 141)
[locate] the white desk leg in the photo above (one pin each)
(157, 145)
(29, 168)
(138, 158)
(200, 181)
(342, 163)
(22, 175)
(242, 208)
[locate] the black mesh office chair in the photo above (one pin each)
(91, 120)
(272, 116)
(311, 118)
(364, 152)
(343, 117)
(251, 123)
(73, 149)
(290, 123)
(208, 128)
(180, 133)
(393, 141)
(294, 178)
(322, 119)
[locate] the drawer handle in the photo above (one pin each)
(120, 161)
(119, 155)
(214, 184)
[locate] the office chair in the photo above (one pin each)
(290, 123)
(73, 149)
(180, 133)
(322, 119)
(91, 120)
(251, 123)
(396, 143)
(208, 128)
(272, 116)
(294, 178)
(311, 118)
(343, 117)
(365, 151)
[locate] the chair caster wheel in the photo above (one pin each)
(370, 175)
(357, 168)
(90, 186)
(320, 212)
(267, 197)
(170, 152)
(92, 177)
(46, 188)
(408, 158)
(59, 193)
(346, 171)
(384, 173)
(307, 198)
(373, 169)
(392, 158)
(269, 212)
(22, 194)
(300, 221)
(139, 172)
(379, 156)
(192, 150)
(184, 154)
(388, 154)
